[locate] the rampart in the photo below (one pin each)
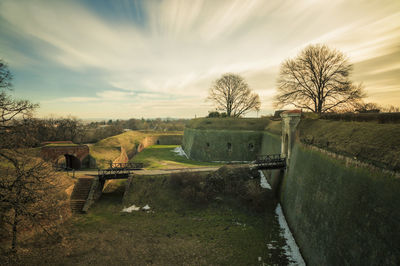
(339, 193)
(342, 211)
(222, 145)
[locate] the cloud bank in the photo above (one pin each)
(158, 58)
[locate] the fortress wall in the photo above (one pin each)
(170, 139)
(157, 139)
(271, 144)
(213, 145)
(341, 213)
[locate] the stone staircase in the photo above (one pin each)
(80, 194)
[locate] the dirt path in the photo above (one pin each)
(153, 171)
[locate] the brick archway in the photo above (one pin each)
(74, 154)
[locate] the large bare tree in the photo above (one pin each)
(232, 94)
(28, 186)
(317, 80)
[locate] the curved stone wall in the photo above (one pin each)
(222, 145)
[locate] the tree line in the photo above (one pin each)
(77, 131)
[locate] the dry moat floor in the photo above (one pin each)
(174, 232)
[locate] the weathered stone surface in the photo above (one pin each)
(74, 154)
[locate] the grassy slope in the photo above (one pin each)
(108, 149)
(229, 123)
(61, 145)
(162, 156)
(368, 141)
(176, 233)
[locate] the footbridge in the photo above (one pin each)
(89, 189)
(118, 170)
(269, 162)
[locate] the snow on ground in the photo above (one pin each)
(179, 151)
(263, 181)
(136, 208)
(291, 248)
(131, 208)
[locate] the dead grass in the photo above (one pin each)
(371, 142)
(176, 232)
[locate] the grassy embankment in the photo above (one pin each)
(175, 232)
(108, 149)
(61, 145)
(232, 123)
(163, 156)
(371, 142)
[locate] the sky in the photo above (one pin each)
(126, 58)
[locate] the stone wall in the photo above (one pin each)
(53, 153)
(341, 213)
(222, 145)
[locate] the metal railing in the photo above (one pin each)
(270, 161)
(118, 170)
(130, 166)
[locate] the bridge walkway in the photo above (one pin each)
(269, 162)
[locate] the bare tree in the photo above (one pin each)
(27, 187)
(9, 107)
(29, 194)
(232, 95)
(317, 80)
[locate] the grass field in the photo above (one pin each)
(109, 148)
(174, 232)
(162, 156)
(61, 145)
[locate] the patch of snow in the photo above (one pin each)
(146, 208)
(179, 151)
(131, 208)
(291, 248)
(240, 224)
(263, 181)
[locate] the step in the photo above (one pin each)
(80, 193)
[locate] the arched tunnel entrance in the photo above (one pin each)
(72, 162)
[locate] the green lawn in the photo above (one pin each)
(108, 149)
(162, 156)
(61, 144)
